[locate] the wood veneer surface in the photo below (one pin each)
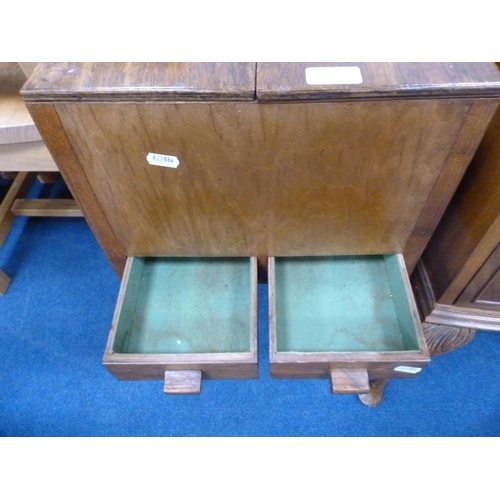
(286, 81)
(301, 179)
(370, 175)
(470, 228)
(143, 81)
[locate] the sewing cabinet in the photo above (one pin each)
(329, 178)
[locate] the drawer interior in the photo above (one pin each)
(186, 305)
(342, 304)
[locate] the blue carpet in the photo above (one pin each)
(54, 323)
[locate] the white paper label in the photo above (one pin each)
(333, 75)
(162, 160)
(408, 369)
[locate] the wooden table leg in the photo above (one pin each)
(4, 282)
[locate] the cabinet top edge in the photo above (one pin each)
(376, 80)
(264, 82)
(63, 81)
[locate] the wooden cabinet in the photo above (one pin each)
(457, 281)
(267, 160)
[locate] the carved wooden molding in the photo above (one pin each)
(442, 339)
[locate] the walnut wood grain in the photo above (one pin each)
(266, 180)
(69, 165)
(286, 81)
(261, 178)
(141, 81)
(4, 282)
(442, 339)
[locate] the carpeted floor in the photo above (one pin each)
(54, 323)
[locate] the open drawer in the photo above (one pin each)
(350, 319)
(184, 319)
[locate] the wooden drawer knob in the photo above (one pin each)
(182, 382)
(349, 381)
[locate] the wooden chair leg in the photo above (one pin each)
(4, 282)
(19, 189)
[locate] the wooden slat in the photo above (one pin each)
(4, 282)
(46, 208)
(48, 177)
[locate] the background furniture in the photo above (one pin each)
(23, 155)
(262, 162)
(457, 281)
(4, 282)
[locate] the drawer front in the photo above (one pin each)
(187, 315)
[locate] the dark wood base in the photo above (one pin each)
(376, 393)
(441, 339)
(451, 315)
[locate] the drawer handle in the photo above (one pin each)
(349, 381)
(182, 382)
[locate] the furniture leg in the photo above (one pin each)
(4, 282)
(375, 394)
(19, 189)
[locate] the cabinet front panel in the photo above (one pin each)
(264, 179)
